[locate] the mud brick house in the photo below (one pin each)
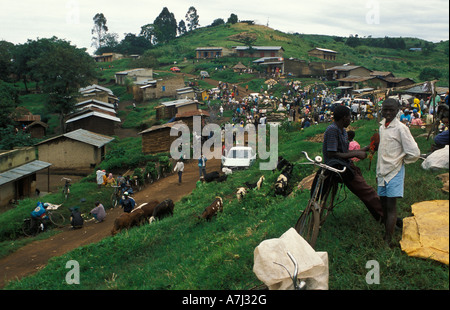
(18, 170)
(157, 139)
(30, 123)
(95, 119)
(208, 52)
(357, 82)
(169, 109)
(134, 75)
(323, 53)
(340, 72)
(258, 51)
(188, 117)
(154, 89)
(97, 92)
(78, 150)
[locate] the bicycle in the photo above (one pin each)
(116, 195)
(321, 203)
(66, 189)
(32, 227)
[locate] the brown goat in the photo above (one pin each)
(212, 209)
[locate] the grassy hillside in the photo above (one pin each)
(182, 252)
(402, 62)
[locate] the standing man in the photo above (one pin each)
(127, 203)
(335, 146)
(397, 148)
(179, 167)
(202, 166)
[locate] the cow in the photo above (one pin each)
(148, 208)
(128, 220)
(212, 209)
(162, 210)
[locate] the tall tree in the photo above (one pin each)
(165, 26)
(192, 18)
(148, 32)
(233, 19)
(99, 31)
(181, 27)
(63, 70)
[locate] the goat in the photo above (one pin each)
(241, 193)
(227, 171)
(162, 210)
(282, 182)
(212, 209)
(148, 208)
(255, 185)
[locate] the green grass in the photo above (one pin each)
(182, 252)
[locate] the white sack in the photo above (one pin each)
(437, 160)
(312, 265)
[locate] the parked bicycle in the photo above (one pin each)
(321, 203)
(116, 195)
(32, 227)
(66, 188)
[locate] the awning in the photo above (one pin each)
(22, 171)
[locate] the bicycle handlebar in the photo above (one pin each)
(318, 162)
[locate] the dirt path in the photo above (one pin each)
(34, 256)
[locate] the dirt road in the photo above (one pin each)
(34, 256)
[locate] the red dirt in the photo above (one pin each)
(34, 256)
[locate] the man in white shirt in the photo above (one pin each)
(397, 147)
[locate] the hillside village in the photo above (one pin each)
(134, 109)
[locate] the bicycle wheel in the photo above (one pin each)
(308, 224)
(56, 218)
(114, 200)
(29, 228)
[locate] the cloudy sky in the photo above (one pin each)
(72, 19)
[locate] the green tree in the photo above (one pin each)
(428, 74)
(165, 26)
(217, 22)
(6, 55)
(8, 102)
(192, 18)
(148, 32)
(99, 31)
(181, 27)
(63, 70)
(233, 19)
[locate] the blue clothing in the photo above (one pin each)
(202, 162)
(442, 139)
(406, 117)
(127, 204)
(395, 186)
(39, 212)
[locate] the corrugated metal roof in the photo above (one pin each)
(157, 127)
(177, 102)
(85, 136)
(98, 114)
(260, 48)
(22, 171)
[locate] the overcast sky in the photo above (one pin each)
(72, 20)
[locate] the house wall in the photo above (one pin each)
(208, 54)
(157, 141)
(187, 108)
(94, 124)
(164, 88)
(66, 153)
(15, 158)
(322, 55)
(7, 192)
(302, 68)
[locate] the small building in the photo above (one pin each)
(95, 103)
(134, 75)
(78, 150)
(382, 74)
(188, 117)
(37, 129)
(93, 119)
(155, 89)
(259, 51)
(107, 57)
(168, 109)
(30, 123)
(340, 72)
(323, 53)
(97, 92)
(157, 139)
(398, 81)
(18, 170)
(208, 52)
(273, 65)
(357, 82)
(239, 67)
(186, 93)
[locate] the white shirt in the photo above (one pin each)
(179, 166)
(397, 147)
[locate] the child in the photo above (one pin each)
(353, 145)
(397, 147)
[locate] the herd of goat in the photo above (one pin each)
(155, 210)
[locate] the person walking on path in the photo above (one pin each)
(179, 167)
(202, 166)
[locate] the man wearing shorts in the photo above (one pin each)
(397, 147)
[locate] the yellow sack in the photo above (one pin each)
(426, 234)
